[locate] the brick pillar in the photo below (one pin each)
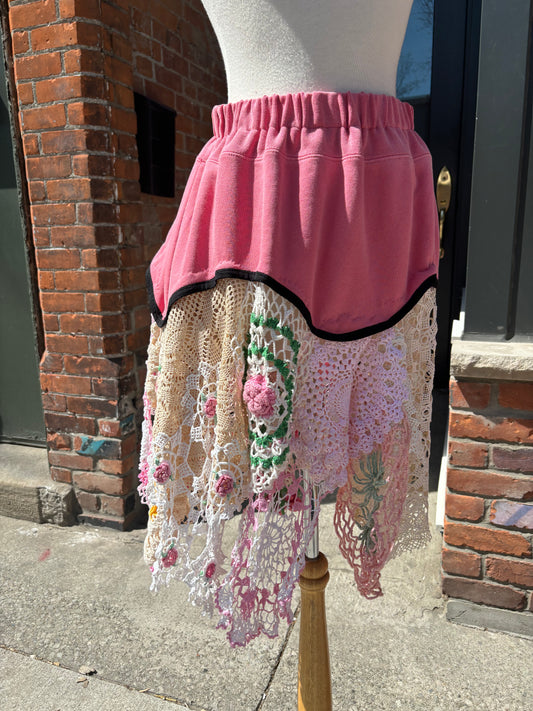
(76, 65)
(488, 530)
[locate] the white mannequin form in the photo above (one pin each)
(288, 46)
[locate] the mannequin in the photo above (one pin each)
(282, 46)
(293, 330)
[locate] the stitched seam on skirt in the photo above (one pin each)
(336, 159)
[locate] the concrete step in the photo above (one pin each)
(26, 490)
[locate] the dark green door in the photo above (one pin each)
(21, 410)
(437, 75)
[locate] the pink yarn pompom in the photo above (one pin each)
(224, 484)
(162, 472)
(259, 396)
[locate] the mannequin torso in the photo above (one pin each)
(285, 46)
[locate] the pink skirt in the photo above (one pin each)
(291, 352)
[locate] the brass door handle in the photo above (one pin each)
(444, 194)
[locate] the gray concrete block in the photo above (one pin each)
(468, 613)
(26, 490)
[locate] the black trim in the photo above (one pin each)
(290, 296)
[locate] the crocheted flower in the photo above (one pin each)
(210, 407)
(210, 570)
(170, 558)
(224, 484)
(153, 511)
(259, 396)
(162, 472)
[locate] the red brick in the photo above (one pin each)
(70, 189)
(54, 302)
(87, 501)
(461, 563)
(58, 258)
(31, 144)
(52, 214)
(91, 406)
(468, 508)
(36, 191)
(69, 384)
(81, 323)
(89, 9)
(67, 344)
(31, 14)
(74, 281)
(73, 236)
(468, 454)
(517, 396)
(512, 514)
(41, 236)
(59, 441)
(484, 593)
(83, 60)
(106, 345)
(43, 117)
(60, 474)
(70, 460)
(109, 428)
(50, 322)
(65, 34)
(51, 363)
(496, 429)
(87, 165)
(513, 458)
(102, 483)
(20, 41)
(53, 402)
(105, 388)
(66, 141)
(68, 87)
(49, 167)
(486, 483)
(94, 258)
(46, 280)
(25, 94)
(486, 540)
(513, 572)
(60, 422)
(87, 114)
(37, 65)
(91, 366)
(118, 466)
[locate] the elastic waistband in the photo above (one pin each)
(318, 109)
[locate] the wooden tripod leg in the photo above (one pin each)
(314, 676)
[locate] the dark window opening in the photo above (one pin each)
(156, 146)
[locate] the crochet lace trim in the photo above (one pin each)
(246, 410)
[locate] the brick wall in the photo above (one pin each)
(488, 530)
(76, 65)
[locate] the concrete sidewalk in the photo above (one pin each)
(73, 597)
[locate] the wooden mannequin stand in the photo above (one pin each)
(314, 676)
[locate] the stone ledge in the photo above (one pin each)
(28, 493)
(495, 619)
(488, 360)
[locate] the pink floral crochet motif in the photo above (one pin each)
(210, 407)
(224, 485)
(259, 397)
(170, 558)
(210, 570)
(162, 472)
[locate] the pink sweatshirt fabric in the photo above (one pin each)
(326, 197)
